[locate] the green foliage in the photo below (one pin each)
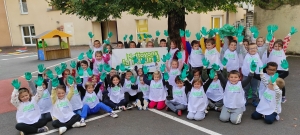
(274, 4)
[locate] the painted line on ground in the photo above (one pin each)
(88, 120)
(20, 57)
(185, 122)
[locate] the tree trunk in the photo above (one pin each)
(176, 21)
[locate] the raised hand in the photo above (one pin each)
(198, 36)
(149, 36)
(80, 71)
(186, 67)
(215, 67)
(130, 37)
(204, 31)
(110, 34)
(100, 68)
(262, 68)
(122, 67)
(135, 59)
(89, 71)
(39, 81)
(55, 82)
(143, 60)
(125, 37)
(139, 36)
(73, 64)
(107, 68)
(103, 76)
(269, 36)
(179, 55)
(188, 33)
(78, 80)
(107, 42)
(50, 74)
(58, 70)
(154, 58)
(145, 69)
(205, 62)
(41, 68)
(16, 84)
(274, 77)
(63, 66)
(166, 33)
(253, 66)
(91, 35)
(28, 76)
(224, 61)
(70, 80)
(162, 68)
(183, 75)
(181, 32)
(164, 58)
(80, 56)
(166, 76)
(89, 54)
(240, 38)
(157, 33)
(293, 30)
(149, 77)
(132, 79)
(212, 74)
(284, 64)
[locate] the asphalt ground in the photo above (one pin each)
(152, 122)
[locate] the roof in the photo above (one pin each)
(52, 34)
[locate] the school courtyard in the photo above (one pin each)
(152, 122)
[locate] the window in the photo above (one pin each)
(23, 7)
(216, 22)
(142, 27)
(28, 33)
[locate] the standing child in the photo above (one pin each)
(196, 56)
(62, 112)
(108, 54)
(28, 112)
(211, 53)
(98, 61)
(175, 69)
(97, 46)
(231, 54)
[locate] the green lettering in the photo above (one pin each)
(28, 107)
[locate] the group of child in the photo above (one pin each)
(200, 77)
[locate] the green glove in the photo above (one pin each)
(78, 80)
(39, 81)
(145, 69)
(211, 33)
(125, 37)
(166, 33)
(70, 79)
(284, 64)
(166, 76)
(157, 33)
(107, 42)
(162, 68)
(181, 32)
(183, 75)
(224, 61)
(149, 77)
(73, 64)
(269, 37)
(215, 67)
(168, 56)
(122, 67)
(107, 68)
(117, 68)
(240, 38)
(212, 74)
(139, 36)
(55, 82)
(50, 74)
(255, 35)
(164, 58)
(28, 76)
(149, 36)
(91, 35)
(187, 33)
(100, 68)
(80, 57)
(80, 72)
(254, 31)
(130, 37)
(261, 68)
(89, 54)
(253, 66)
(240, 29)
(204, 31)
(143, 60)
(145, 35)
(132, 79)
(41, 68)
(16, 84)
(110, 34)
(58, 71)
(186, 67)
(205, 62)
(179, 55)
(154, 58)
(103, 76)
(274, 77)
(105, 50)
(216, 30)
(89, 71)
(198, 36)
(63, 66)
(135, 59)
(293, 30)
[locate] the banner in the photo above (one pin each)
(125, 56)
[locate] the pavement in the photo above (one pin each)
(151, 122)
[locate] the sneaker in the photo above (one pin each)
(145, 107)
(134, 104)
(82, 123)
(219, 109)
(239, 119)
(122, 108)
(76, 124)
(138, 104)
(114, 115)
(129, 106)
(22, 133)
(179, 113)
(254, 103)
(205, 111)
(43, 129)
(62, 130)
(283, 100)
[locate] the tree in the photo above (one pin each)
(175, 10)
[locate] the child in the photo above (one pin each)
(234, 95)
(196, 75)
(130, 94)
(62, 112)
(96, 47)
(173, 51)
(132, 44)
(211, 53)
(269, 106)
(108, 54)
(115, 93)
(149, 44)
(195, 58)
(262, 46)
(120, 45)
(75, 100)
(91, 102)
(175, 69)
(177, 101)
(231, 54)
(252, 55)
(98, 60)
(197, 99)
(143, 93)
(158, 93)
(28, 112)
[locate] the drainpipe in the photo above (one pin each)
(8, 24)
(227, 17)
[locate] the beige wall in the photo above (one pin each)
(285, 17)
(5, 36)
(44, 20)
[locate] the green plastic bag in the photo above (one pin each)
(63, 45)
(40, 44)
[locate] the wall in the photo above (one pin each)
(5, 36)
(285, 17)
(44, 20)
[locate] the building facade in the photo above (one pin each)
(26, 20)
(5, 39)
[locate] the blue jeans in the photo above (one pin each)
(115, 105)
(86, 110)
(77, 112)
(269, 119)
(254, 85)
